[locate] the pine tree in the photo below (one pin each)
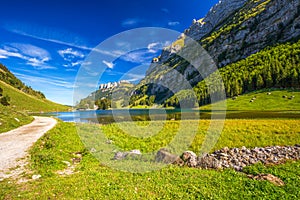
(259, 82)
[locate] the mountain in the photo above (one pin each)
(253, 42)
(102, 97)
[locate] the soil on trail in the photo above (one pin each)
(15, 143)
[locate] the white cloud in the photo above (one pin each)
(86, 63)
(108, 64)
(165, 10)
(6, 54)
(142, 57)
(73, 57)
(30, 50)
(76, 63)
(133, 77)
(131, 22)
(70, 53)
(173, 23)
(153, 47)
(73, 45)
(46, 80)
(32, 55)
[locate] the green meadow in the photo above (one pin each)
(93, 180)
(262, 100)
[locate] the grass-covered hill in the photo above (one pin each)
(20, 105)
(21, 101)
(17, 101)
(262, 100)
(9, 78)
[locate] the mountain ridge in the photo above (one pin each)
(247, 29)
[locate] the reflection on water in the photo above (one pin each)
(110, 116)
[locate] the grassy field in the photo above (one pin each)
(93, 180)
(10, 119)
(263, 101)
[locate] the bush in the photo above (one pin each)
(5, 100)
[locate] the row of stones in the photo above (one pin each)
(238, 158)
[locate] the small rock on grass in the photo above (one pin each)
(268, 177)
(36, 176)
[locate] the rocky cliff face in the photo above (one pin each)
(231, 31)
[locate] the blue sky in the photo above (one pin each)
(45, 43)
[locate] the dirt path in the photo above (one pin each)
(15, 143)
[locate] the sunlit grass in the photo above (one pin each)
(263, 101)
(93, 180)
(10, 119)
(24, 102)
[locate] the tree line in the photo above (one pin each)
(7, 77)
(273, 67)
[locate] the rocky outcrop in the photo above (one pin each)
(231, 31)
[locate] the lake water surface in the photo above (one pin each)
(110, 116)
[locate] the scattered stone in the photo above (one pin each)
(234, 98)
(284, 96)
(135, 151)
(120, 155)
(67, 163)
(35, 177)
(76, 160)
(163, 155)
(268, 177)
(109, 142)
(93, 150)
(17, 119)
(251, 101)
(269, 93)
(124, 155)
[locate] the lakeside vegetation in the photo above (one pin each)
(92, 180)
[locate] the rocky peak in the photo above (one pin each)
(232, 30)
(204, 26)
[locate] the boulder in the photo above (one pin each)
(164, 156)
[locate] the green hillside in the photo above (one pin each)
(17, 101)
(263, 100)
(9, 78)
(21, 101)
(276, 66)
